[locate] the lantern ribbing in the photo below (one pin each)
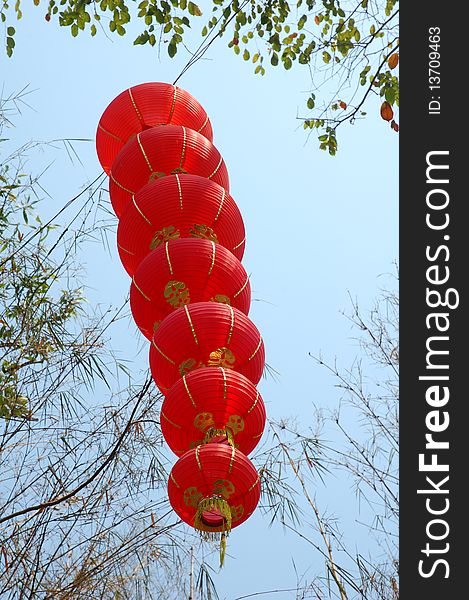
(181, 238)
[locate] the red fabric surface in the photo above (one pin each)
(205, 334)
(212, 397)
(143, 106)
(178, 206)
(159, 152)
(182, 271)
(214, 469)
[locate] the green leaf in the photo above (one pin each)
(194, 10)
(275, 41)
(241, 18)
(274, 59)
(159, 16)
(310, 104)
(326, 57)
(172, 49)
(141, 39)
(390, 95)
(11, 31)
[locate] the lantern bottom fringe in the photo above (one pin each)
(221, 508)
(216, 537)
(213, 432)
(213, 504)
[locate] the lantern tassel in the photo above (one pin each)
(222, 549)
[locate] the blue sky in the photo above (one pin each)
(318, 228)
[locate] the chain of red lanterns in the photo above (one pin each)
(181, 238)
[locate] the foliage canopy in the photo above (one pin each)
(348, 49)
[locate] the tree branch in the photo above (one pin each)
(74, 492)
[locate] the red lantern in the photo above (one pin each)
(162, 151)
(144, 106)
(205, 334)
(178, 206)
(183, 271)
(214, 488)
(181, 238)
(212, 404)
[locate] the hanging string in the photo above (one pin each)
(205, 45)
